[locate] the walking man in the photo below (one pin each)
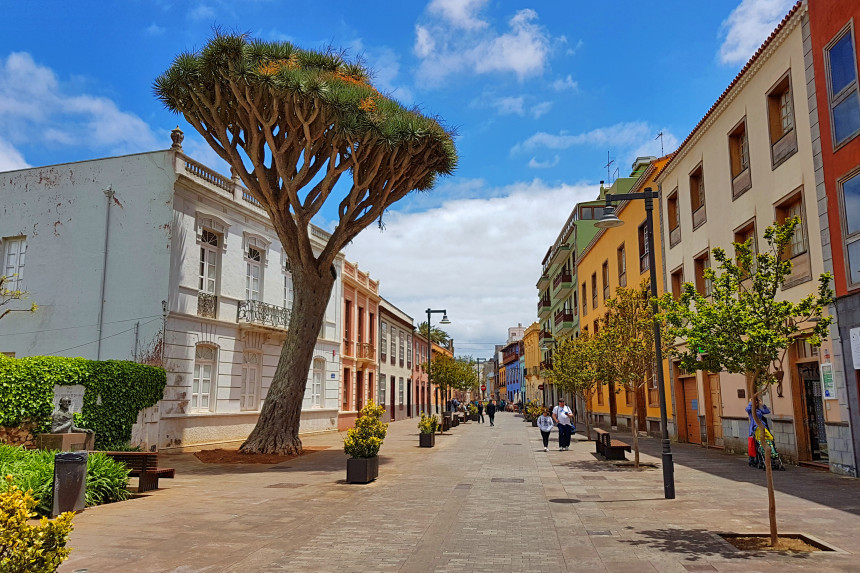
(491, 412)
(480, 412)
(562, 416)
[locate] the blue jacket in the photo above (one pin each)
(760, 412)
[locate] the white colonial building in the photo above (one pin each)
(155, 257)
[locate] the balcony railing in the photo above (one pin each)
(563, 316)
(564, 278)
(545, 336)
(257, 312)
(207, 305)
(365, 350)
(543, 304)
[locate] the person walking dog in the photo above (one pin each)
(491, 411)
(545, 424)
(564, 418)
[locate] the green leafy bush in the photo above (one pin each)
(472, 409)
(125, 388)
(533, 410)
(365, 439)
(428, 424)
(33, 470)
(26, 548)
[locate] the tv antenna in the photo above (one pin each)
(660, 137)
(609, 163)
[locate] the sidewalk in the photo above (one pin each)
(483, 500)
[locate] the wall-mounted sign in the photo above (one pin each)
(855, 347)
(333, 375)
(694, 405)
(828, 388)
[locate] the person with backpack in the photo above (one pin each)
(545, 424)
(491, 411)
(562, 416)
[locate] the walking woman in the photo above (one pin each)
(491, 411)
(480, 405)
(545, 424)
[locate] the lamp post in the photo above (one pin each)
(608, 221)
(430, 348)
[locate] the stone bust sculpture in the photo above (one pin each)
(63, 421)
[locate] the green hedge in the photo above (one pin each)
(125, 388)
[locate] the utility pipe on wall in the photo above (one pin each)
(109, 193)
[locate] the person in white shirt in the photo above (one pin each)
(545, 424)
(564, 418)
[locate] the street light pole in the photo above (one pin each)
(430, 349)
(609, 220)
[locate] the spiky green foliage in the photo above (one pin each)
(286, 117)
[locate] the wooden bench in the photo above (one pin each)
(144, 466)
(609, 448)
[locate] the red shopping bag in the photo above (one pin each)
(751, 447)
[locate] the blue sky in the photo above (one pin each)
(541, 93)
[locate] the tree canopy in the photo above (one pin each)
(437, 335)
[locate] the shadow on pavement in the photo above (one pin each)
(695, 544)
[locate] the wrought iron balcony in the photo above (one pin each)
(564, 318)
(544, 304)
(365, 351)
(563, 279)
(546, 337)
(256, 312)
(207, 305)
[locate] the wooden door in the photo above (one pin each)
(691, 407)
(716, 411)
(391, 399)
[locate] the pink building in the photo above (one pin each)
(359, 362)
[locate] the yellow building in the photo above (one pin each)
(619, 257)
(533, 357)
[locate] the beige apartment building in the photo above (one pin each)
(748, 163)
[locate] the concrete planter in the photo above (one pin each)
(427, 440)
(362, 470)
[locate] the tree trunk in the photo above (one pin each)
(587, 418)
(635, 419)
(771, 499)
(277, 429)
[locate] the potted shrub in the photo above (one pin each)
(362, 444)
(473, 412)
(427, 430)
(533, 411)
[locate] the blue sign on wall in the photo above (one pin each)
(694, 404)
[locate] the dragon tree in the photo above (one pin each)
(303, 128)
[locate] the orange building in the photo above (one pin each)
(619, 257)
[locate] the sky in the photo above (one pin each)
(542, 95)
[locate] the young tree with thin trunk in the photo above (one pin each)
(742, 328)
(9, 296)
(573, 369)
(302, 129)
(629, 332)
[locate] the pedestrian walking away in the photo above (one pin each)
(480, 412)
(545, 424)
(491, 412)
(562, 416)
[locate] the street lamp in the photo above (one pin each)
(610, 220)
(430, 349)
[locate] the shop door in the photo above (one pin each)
(691, 406)
(359, 390)
(391, 394)
(814, 407)
(716, 413)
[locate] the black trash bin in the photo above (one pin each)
(70, 482)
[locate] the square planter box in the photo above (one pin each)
(362, 470)
(427, 440)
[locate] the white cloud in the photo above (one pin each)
(748, 26)
(455, 44)
(36, 108)
(565, 84)
(155, 30)
(618, 135)
(10, 158)
(385, 64)
(460, 13)
(462, 271)
(540, 109)
(201, 12)
(535, 164)
(510, 105)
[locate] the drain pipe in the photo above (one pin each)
(109, 193)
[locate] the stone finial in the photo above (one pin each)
(234, 175)
(177, 136)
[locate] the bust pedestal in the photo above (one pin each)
(66, 442)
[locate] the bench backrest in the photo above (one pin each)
(140, 461)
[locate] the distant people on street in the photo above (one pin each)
(491, 412)
(564, 418)
(480, 412)
(545, 424)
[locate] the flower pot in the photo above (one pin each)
(427, 440)
(362, 470)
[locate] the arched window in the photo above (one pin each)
(205, 376)
(251, 362)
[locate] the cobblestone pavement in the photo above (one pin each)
(483, 500)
